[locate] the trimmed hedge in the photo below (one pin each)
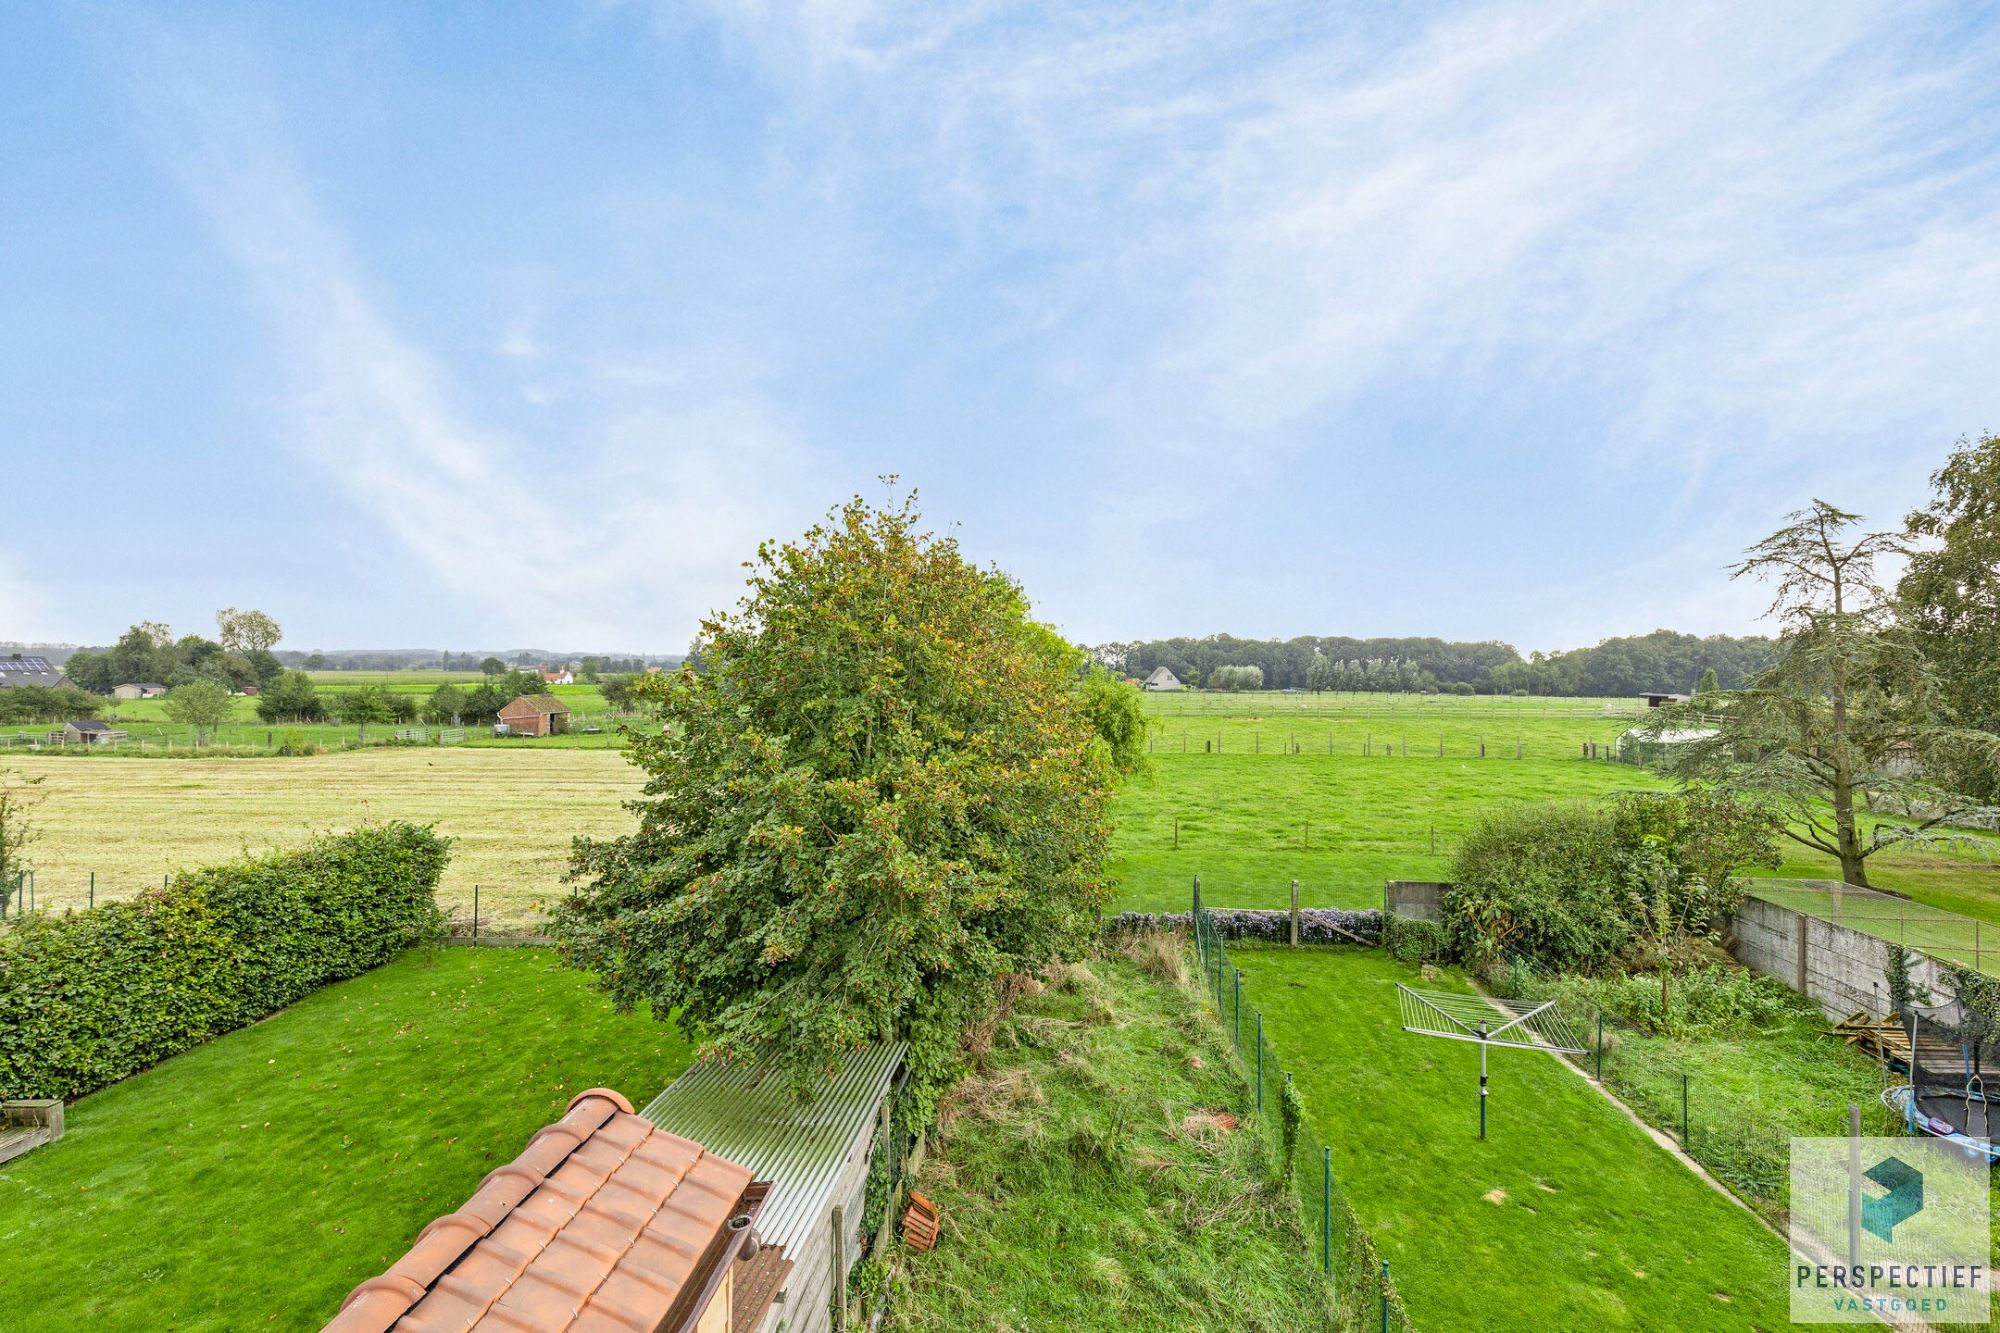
(1317, 925)
(1413, 941)
(88, 998)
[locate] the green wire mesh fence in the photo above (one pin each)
(1360, 1277)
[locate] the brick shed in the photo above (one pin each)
(536, 715)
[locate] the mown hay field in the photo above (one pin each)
(511, 815)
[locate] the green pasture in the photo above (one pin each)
(1342, 792)
(251, 1182)
(395, 680)
(1568, 1215)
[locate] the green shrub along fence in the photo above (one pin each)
(1367, 1296)
(88, 998)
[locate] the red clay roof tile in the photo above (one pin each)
(597, 1225)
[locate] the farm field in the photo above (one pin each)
(1253, 814)
(511, 813)
(1568, 1216)
(251, 1182)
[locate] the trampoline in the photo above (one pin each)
(1952, 1053)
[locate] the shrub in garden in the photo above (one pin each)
(87, 998)
(1545, 882)
(1413, 941)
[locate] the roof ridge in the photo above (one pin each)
(411, 1278)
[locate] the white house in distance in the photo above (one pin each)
(561, 675)
(1162, 679)
(139, 690)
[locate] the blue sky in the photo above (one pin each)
(485, 324)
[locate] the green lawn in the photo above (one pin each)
(252, 1182)
(1084, 1184)
(1567, 1217)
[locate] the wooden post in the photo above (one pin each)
(839, 1267)
(1295, 914)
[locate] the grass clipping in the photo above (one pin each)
(1094, 1174)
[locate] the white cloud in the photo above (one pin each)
(1762, 243)
(625, 539)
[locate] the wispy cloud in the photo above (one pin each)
(1763, 243)
(586, 544)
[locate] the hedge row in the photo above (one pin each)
(88, 998)
(1317, 925)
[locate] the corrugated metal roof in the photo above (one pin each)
(749, 1114)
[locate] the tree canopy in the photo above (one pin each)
(882, 794)
(1851, 718)
(1949, 595)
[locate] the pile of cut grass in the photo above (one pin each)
(1089, 1178)
(250, 1183)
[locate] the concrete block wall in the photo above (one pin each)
(1422, 900)
(1843, 970)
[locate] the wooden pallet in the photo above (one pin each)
(1877, 1038)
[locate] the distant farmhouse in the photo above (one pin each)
(561, 675)
(534, 715)
(18, 670)
(1162, 679)
(1662, 700)
(141, 689)
(88, 732)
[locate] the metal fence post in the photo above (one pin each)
(1237, 985)
(93, 888)
(475, 914)
(1326, 1209)
(1600, 1048)
(1385, 1296)
(1684, 1110)
(1260, 1061)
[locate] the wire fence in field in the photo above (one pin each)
(1359, 1274)
(1942, 934)
(23, 893)
(1385, 745)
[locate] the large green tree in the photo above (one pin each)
(882, 795)
(1949, 594)
(201, 704)
(1850, 721)
(291, 697)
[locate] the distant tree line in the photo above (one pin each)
(42, 703)
(239, 657)
(1663, 660)
(293, 696)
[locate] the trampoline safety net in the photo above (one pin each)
(1954, 1066)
